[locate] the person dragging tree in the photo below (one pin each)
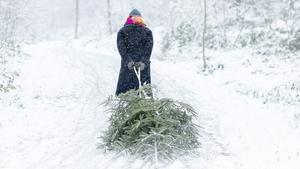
(135, 43)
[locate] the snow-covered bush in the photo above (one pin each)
(7, 79)
(154, 129)
(9, 50)
(287, 93)
(185, 34)
(212, 68)
(181, 37)
(294, 43)
(8, 76)
(269, 27)
(272, 42)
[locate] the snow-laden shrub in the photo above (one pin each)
(212, 68)
(8, 52)
(294, 43)
(288, 93)
(7, 79)
(185, 34)
(166, 43)
(215, 37)
(182, 36)
(153, 129)
(9, 57)
(273, 42)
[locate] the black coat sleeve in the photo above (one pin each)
(121, 43)
(148, 45)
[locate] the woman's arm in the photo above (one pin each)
(148, 45)
(121, 43)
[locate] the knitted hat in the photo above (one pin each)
(135, 12)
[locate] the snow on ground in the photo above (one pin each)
(59, 115)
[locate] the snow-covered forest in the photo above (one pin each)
(236, 62)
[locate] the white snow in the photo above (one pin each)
(57, 120)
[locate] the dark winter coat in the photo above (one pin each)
(135, 44)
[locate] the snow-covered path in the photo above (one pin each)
(61, 117)
(60, 114)
(255, 135)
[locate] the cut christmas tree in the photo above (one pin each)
(154, 129)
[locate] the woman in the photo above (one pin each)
(135, 43)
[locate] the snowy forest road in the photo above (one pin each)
(61, 117)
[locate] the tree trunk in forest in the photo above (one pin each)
(224, 26)
(203, 37)
(109, 17)
(76, 18)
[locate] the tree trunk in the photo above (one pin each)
(224, 26)
(203, 37)
(109, 17)
(76, 18)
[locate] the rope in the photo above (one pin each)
(138, 75)
(137, 71)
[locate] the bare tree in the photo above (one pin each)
(224, 24)
(76, 18)
(109, 17)
(203, 36)
(9, 13)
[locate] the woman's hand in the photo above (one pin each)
(131, 65)
(141, 65)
